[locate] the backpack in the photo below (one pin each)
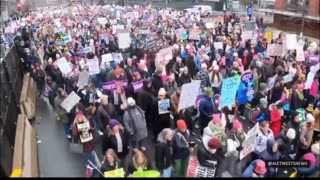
(250, 112)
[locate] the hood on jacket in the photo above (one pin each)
(270, 144)
(145, 84)
(210, 131)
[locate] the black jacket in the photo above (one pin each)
(163, 156)
(157, 83)
(110, 141)
(204, 156)
(107, 167)
(132, 169)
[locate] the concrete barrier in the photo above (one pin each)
(28, 97)
(25, 159)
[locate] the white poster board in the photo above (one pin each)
(116, 27)
(124, 39)
(247, 35)
(70, 101)
(85, 135)
(309, 80)
(102, 21)
(291, 41)
(189, 94)
(195, 170)
(300, 54)
(93, 65)
(64, 66)
(83, 79)
(218, 45)
(275, 34)
(105, 58)
(249, 142)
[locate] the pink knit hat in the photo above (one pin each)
(216, 119)
(236, 124)
(311, 158)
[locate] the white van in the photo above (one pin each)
(204, 10)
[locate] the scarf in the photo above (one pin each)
(287, 92)
(300, 94)
(116, 98)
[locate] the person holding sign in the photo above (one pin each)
(160, 113)
(206, 108)
(110, 162)
(139, 163)
(82, 129)
(163, 153)
(211, 155)
(62, 114)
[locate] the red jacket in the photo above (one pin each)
(88, 147)
(275, 121)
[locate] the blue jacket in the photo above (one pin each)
(197, 61)
(184, 54)
(242, 94)
(206, 108)
(305, 172)
(259, 49)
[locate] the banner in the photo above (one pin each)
(84, 133)
(309, 80)
(291, 41)
(249, 142)
(274, 50)
(189, 94)
(300, 54)
(194, 34)
(228, 91)
(137, 86)
(86, 50)
(196, 170)
(83, 79)
(67, 39)
(124, 39)
(164, 106)
(93, 65)
(70, 101)
(117, 173)
(64, 66)
(111, 85)
(105, 58)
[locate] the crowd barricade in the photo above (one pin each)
(28, 97)
(25, 158)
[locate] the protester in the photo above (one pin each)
(138, 163)
(286, 145)
(308, 171)
(265, 133)
(257, 168)
(211, 155)
(163, 152)
(61, 112)
(110, 162)
(306, 136)
(206, 109)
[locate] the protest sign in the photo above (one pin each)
(247, 35)
(137, 86)
(194, 34)
(275, 34)
(301, 43)
(164, 106)
(189, 94)
(271, 82)
(209, 25)
(70, 101)
(274, 50)
(124, 39)
(146, 174)
(309, 81)
(218, 45)
(249, 142)
(60, 42)
(144, 31)
(247, 77)
(196, 170)
(299, 54)
(112, 85)
(287, 78)
(83, 79)
(115, 28)
(117, 57)
(93, 65)
(67, 39)
(84, 133)
(164, 56)
(254, 39)
(64, 65)
(102, 21)
(149, 43)
(314, 59)
(105, 58)
(291, 41)
(86, 50)
(228, 91)
(117, 173)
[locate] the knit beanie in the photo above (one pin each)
(216, 119)
(214, 143)
(315, 148)
(208, 92)
(181, 124)
(131, 101)
(291, 134)
(263, 101)
(113, 122)
(311, 158)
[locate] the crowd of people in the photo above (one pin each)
(279, 96)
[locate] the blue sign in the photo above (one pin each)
(249, 11)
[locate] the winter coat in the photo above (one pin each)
(157, 83)
(237, 140)
(203, 76)
(180, 144)
(163, 155)
(286, 147)
(129, 70)
(208, 159)
(305, 138)
(174, 99)
(256, 99)
(276, 92)
(183, 79)
(213, 130)
(170, 87)
(275, 120)
(261, 141)
(189, 62)
(88, 147)
(268, 154)
(206, 109)
(110, 141)
(105, 113)
(307, 171)
(242, 93)
(259, 114)
(159, 121)
(61, 112)
(86, 99)
(297, 102)
(135, 123)
(132, 169)
(145, 98)
(107, 167)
